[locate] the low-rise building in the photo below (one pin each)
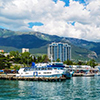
(25, 50)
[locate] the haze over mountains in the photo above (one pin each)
(37, 43)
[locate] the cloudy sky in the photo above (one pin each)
(67, 18)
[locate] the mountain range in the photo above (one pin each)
(38, 42)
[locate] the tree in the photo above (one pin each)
(68, 62)
(16, 67)
(45, 58)
(81, 63)
(4, 62)
(58, 60)
(34, 59)
(15, 56)
(92, 63)
(26, 58)
(39, 59)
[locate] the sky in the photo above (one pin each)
(65, 18)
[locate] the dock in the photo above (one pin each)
(83, 75)
(47, 79)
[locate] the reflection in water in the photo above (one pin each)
(77, 88)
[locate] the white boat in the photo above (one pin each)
(55, 69)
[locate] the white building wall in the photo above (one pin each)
(25, 50)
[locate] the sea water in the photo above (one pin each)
(76, 88)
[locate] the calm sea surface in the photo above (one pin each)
(77, 88)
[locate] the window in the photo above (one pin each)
(39, 73)
(47, 72)
(55, 68)
(49, 68)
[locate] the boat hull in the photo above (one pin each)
(68, 75)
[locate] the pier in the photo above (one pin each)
(47, 79)
(83, 75)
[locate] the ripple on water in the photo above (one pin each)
(77, 88)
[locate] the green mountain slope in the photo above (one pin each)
(38, 42)
(22, 41)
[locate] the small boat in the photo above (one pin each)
(55, 69)
(89, 75)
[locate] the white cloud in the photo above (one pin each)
(16, 14)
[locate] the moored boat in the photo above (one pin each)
(55, 69)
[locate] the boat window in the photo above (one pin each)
(55, 68)
(43, 68)
(39, 68)
(44, 72)
(49, 68)
(39, 73)
(24, 69)
(46, 68)
(36, 68)
(47, 72)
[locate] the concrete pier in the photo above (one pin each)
(83, 75)
(47, 79)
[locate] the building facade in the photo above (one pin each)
(1, 50)
(25, 50)
(60, 51)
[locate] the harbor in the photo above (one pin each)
(11, 76)
(51, 73)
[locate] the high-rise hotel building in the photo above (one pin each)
(60, 51)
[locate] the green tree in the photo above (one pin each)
(4, 62)
(92, 63)
(17, 67)
(39, 59)
(34, 59)
(15, 56)
(45, 58)
(58, 60)
(81, 63)
(26, 58)
(68, 62)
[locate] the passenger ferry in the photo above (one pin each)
(55, 69)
